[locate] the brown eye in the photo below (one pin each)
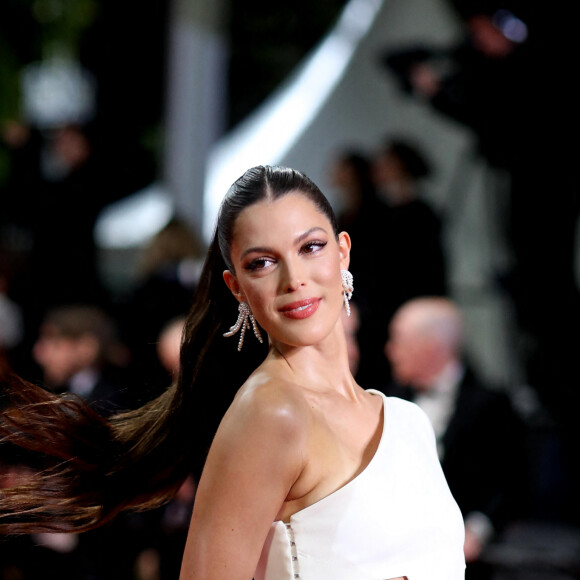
(313, 247)
(258, 264)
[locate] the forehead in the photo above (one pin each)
(406, 322)
(274, 219)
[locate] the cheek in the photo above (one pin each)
(327, 274)
(48, 352)
(401, 356)
(261, 298)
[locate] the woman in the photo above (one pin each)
(308, 476)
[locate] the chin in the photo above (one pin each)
(306, 332)
(306, 336)
(297, 342)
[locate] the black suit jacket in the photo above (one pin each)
(484, 455)
(112, 391)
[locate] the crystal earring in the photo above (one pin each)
(347, 289)
(245, 317)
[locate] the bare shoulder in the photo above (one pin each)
(277, 405)
(256, 457)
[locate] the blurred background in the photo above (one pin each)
(124, 123)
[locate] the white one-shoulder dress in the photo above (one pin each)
(396, 518)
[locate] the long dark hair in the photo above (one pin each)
(85, 468)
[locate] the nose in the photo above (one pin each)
(293, 277)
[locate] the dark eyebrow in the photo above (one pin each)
(303, 236)
(300, 238)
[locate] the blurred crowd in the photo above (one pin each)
(116, 354)
(61, 327)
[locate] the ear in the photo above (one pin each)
(344, 249)
(232, 283)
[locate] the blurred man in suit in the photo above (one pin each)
(479, 435)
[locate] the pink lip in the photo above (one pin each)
(301, 308)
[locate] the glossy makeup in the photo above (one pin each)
(301, 308)
(287, 263)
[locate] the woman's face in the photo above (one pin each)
(287, 264)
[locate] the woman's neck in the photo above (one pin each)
(321, 367)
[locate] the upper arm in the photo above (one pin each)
(256, 456)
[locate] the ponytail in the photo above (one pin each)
(85, 469)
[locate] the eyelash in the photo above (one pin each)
(256, 264)
(314, 243)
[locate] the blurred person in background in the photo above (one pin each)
(508, 81)
(175, 516)
(159, 535)
(478, 82)
(169, 343)
(56, 187)
(363, 214)
(61, 175)
(480, 436)
(351, 177)
(167, 273)
(79, 352)
(408, 257)
(415, 260)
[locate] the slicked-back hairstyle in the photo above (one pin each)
(257, 184)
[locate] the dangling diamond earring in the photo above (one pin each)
(243, 323)
(347, 289)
